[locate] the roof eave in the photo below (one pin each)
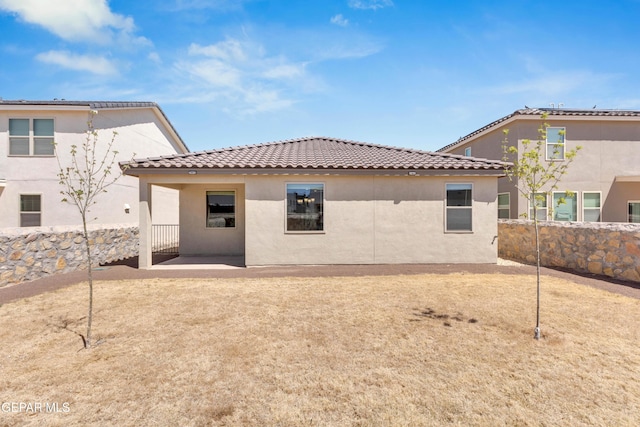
(413, 172)
(172, 130)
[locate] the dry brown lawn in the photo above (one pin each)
(426, 350)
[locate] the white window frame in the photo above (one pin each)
(235, 208)
(554, 206)
(286, 207)
(585, 208)
(545, 207)
(467, 151)
(447, 207)
(629, 202)
(549, 154)
(31, 137)
(508, 205)
(21, 212)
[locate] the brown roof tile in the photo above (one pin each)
(314, 153)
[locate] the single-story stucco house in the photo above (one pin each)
(321, 200)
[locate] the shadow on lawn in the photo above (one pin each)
(430, 313)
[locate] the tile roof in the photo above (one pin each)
(314, 153)
(537, 112)
(96, 105)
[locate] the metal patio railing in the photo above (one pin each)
(165, 238)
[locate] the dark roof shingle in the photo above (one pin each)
(315, 153)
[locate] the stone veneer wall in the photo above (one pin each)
(611, 249)
(32, 253)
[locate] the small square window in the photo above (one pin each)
(305, 207)
(31, 137)
(467, 151)
(30, 210)
(221, 209)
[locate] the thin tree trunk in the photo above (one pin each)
(87, 343)
(537, 329)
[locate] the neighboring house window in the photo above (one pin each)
(221, 209)
(305, 204)
(555, 143)
(467, 151)
(591, 206)
(634, 211)
(459, 207)
(30, 210)
(504, 206)
(31, 137)
(565, 206)
(539, 200)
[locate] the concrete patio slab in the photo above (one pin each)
(201, 263)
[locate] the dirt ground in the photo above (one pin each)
(451, 349)
(127, 269)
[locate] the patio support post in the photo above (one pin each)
(145, 255)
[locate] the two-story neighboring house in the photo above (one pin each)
(29, 186)
(604, 178)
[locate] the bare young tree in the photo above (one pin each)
(536, 172)
(87, 176)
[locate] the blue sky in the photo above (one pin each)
(407, 73)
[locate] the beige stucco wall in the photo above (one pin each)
(195, 237)
(369, 219)
(140, 133)
(610, 148)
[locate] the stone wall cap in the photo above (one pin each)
(25, 231)
(615, 226)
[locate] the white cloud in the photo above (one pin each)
(370, 4)
(284, 71)
(241, 74)
(212, 72)
(76, 20)
(228, 50)
(265, 100)
(243, 77)
(339, 20)
(91, 63)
